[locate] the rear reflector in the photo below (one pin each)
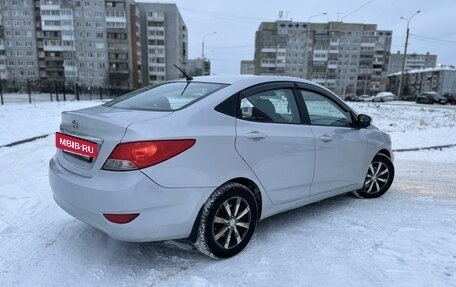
(138, 155)
(120, 218)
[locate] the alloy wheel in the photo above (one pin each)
(231, 222)
(376, 178)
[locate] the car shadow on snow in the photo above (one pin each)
(177, 254)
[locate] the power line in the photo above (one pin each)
(224, 15)
(432, 38)
(357, 9)
(231, 47)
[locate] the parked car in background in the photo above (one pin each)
(355, 98)
(451, 98)
(430, 98)
(351, 98)
(410, 98)
(383, 97)
(207, 158)
(364, 98)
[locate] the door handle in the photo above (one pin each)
(326, 138)
(256, 136)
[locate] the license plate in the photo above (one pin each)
(76, 145)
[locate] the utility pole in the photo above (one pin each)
(202, 51)
(1, 91)
(29, 91)
(399, 90)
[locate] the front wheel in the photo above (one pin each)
(227, 222)
(379, 178)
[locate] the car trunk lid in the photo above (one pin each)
(102, 125)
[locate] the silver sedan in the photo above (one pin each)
(207, 158)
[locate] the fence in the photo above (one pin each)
(33, 91)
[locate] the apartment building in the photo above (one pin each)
(348, 58)
(70, 37)
(412, 62)
(198, 67)
(164, 42)
(436, 79)
(247, 67)
(91, 43)
(123, 41)
(18, 50)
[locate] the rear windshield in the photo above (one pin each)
(165, 97)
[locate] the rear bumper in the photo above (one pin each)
(165, 213)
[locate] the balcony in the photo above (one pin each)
(54, 68)
(53, 48)
(368, 44)
(114, 71)
(319, 81)
(269, 50)
(319, 61)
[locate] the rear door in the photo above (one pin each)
(340, 148)
(274, 143)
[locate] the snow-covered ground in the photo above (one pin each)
(23, 120)
(405, 238)
(412, 125)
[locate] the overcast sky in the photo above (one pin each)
(236, 21)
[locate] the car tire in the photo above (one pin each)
(379, 177)
(227, 221)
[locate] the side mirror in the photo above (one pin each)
(363, 121)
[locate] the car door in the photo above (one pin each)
(340, 148)
(272, 140)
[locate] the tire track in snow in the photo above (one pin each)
(425, 148)
(25, 141)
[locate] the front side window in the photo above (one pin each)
(324, 112)
(166, 97)
(273, 106)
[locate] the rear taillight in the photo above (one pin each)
(138, 155)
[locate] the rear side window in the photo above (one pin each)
(166, 97)
(272, 106)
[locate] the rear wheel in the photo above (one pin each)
(379, 178)
(227, 222)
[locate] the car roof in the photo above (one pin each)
(248, 79)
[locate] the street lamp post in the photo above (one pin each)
(405, 51)
(316, 15)
(202, 51)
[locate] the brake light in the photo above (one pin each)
(138, 155)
